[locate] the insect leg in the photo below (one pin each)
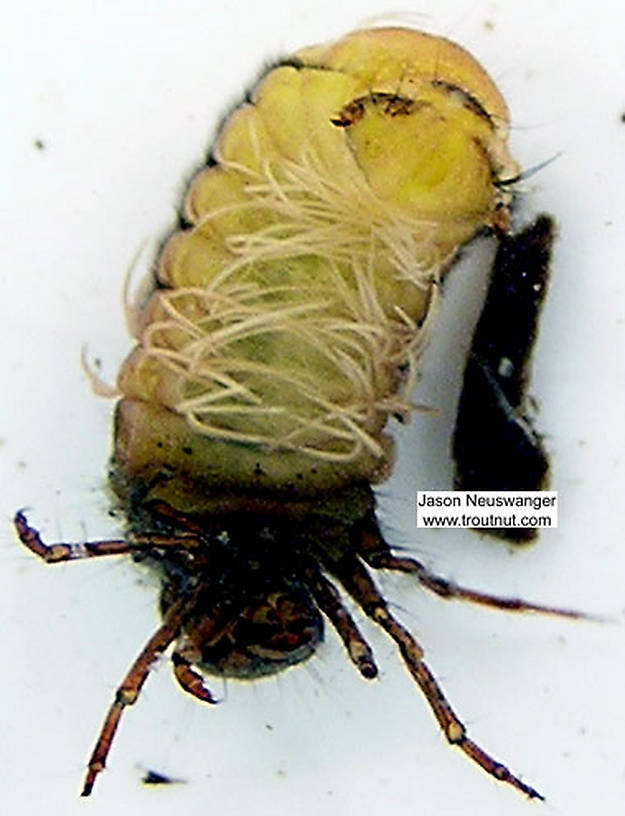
(329, 601)
(188, 678)
(130, 688)
(55, 553)
(377, 554)
(360, 586)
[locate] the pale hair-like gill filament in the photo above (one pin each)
(342, 318)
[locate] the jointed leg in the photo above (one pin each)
(188, 678)
(329, 601)
(376, 552)
(132, 683)
(55, 553)
(358, 583)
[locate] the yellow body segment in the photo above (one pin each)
(293, 310)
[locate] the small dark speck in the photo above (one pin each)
(38, 144)
(269, 726)
(159, 444)
(156, 778)
(187, 450)
(489, 25)
(623, 117)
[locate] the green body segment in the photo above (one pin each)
(290, 316)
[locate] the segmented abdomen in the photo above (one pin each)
(294, 307)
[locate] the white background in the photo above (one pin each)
(125, 97)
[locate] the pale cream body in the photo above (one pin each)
(296, 306)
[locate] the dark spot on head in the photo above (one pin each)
(395, 105)
(468, 100)
(183, 222)
(391, 104)
(351, 113)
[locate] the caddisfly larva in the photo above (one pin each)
(284, 329)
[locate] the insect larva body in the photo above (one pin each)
(284, 330)
(290, 314)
